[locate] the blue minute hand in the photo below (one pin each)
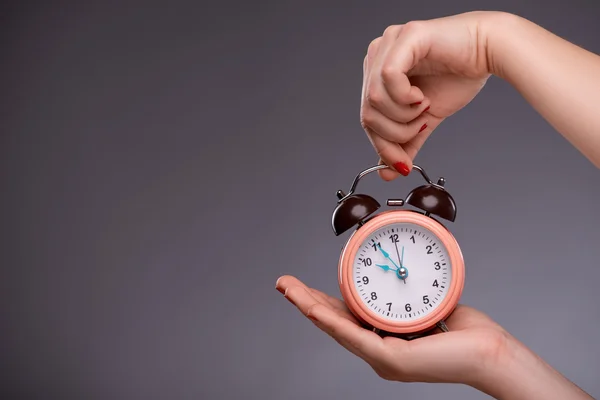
(386, 255)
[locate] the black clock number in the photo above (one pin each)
(366, 261)
(435, 283)
(437, 265)
(412, 238)
(389, 306)
(425, 299)
(394, 238)
(375, 245)
(365, 280)
(373, 296)
(407, 307)
(429, 248)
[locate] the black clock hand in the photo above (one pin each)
(399, 259)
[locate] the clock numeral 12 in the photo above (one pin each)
(394, 238)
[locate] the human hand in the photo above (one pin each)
(476, 351)
(462, 355)
(416, 75)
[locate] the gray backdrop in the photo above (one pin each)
(163, 164)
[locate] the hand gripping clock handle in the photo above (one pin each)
(373, 169)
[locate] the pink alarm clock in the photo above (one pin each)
(401, 272)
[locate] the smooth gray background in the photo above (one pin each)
(163, 164)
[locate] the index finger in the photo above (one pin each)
(392, 154)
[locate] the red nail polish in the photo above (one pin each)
(312, 318)
(425, 110)
(416, 104)
(280, 290)
(423, 128)
(402, 168)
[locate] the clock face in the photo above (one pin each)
(402, 271)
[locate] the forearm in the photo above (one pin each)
(559, 79)
(519, 374)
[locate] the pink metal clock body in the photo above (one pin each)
(370, 317)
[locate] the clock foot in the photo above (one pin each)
(442, 325)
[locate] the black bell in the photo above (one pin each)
(433, 199)
(351, 211)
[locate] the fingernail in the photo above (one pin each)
(279, 289)
(427, 108)
(312, 317)
(416, 104)
(402, 168)
(423, 128)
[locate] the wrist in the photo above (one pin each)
(515, 372)
(497, 29)
(494, 372)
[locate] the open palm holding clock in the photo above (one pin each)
(401, 273)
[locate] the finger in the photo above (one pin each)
(387, 174)
(392, 130)
(376, 94)
(371, 53)
(413, 146)
(361, 342)
(411, 45)
(373, 50)
(338, 305)
(391, 153)
(377, 97)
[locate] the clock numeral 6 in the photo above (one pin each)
(437, 265)
(373, 296)
(407, 307)
(425, 299)
(366, 261)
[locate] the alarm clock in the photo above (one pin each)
(401, 271)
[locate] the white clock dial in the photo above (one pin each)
(402, 272)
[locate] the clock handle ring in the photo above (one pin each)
(342, 196)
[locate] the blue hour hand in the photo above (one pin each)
(385, 267)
